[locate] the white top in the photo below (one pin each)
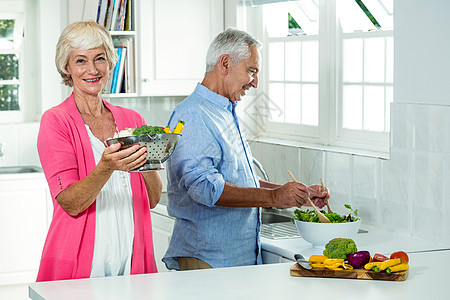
(114, 222)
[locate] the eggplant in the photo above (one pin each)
(358, 259)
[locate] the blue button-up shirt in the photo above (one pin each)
(212, 150)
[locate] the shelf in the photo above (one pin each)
(122, 33)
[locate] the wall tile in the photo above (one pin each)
(428, 179)
(402, 125)
(395, 201)
(312, 166)
(337, 173)
(367, 209)
(396, 177)
(365, 176)
(287, 158)
(430, 134)
(396, 217)
(427, 223)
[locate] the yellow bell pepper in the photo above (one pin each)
(167, 129)
(179, 127)
(317, 258)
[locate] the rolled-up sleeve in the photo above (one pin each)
(56, 153)
(195, 161)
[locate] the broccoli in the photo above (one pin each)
(144, 129)
(339, 248)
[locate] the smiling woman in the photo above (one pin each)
(104, 208)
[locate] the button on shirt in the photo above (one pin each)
(212, 150)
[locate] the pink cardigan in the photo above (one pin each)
(66, 157)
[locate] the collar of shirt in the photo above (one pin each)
(215, 98)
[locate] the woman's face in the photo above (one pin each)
(89, 70)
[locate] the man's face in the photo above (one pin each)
(242, 77)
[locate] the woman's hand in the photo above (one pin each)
(125, 160)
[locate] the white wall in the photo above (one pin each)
(422, 45)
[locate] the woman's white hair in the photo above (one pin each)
(82, 35)
(233, 42)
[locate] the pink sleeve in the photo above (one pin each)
(57, 152)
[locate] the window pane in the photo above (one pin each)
(7, 33)
(374, 108)
(352, 64)
(276, 102)
(9, 97)
(310, 104)
(389, 59)
(374, 61)
(276, 61)
(351, 17)
(9, 67)
(352, 107)
(293, 61)
(293, 103)
(310, 61)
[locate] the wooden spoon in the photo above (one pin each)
(322, 217)
(328, 205)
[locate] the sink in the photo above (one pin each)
(269, 218)
(20, 170)
(276, 225)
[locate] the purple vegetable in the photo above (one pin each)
(358, 259)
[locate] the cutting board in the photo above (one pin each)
(298, 271)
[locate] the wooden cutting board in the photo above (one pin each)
(298, 271)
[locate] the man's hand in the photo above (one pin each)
(318, 196)
(290, 194)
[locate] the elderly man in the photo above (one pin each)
(213, 190)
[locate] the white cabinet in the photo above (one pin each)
(272, 258)
(25, 208)
(162, 232)
(174, 37)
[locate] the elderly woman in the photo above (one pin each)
(101, 220)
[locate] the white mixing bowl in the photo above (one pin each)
(319, 234)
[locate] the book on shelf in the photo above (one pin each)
(129, 83)
(118, 71)
(109, 13)
(101, 17)
(115, 15)
(122, 68)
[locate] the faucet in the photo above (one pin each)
(261, 168)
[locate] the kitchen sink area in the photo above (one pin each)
(20, 170)
(276, 224)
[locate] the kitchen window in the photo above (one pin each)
(11, 67)
(328, 71)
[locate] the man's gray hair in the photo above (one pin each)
(236, 43)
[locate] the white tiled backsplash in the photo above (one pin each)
(407, 193)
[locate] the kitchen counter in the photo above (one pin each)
(375, 240)
(427, 280)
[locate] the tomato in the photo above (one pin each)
(379, 257)
(402, 255)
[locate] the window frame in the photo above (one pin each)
(329, 132)
(15, 10)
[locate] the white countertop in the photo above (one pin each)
(427, 280)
